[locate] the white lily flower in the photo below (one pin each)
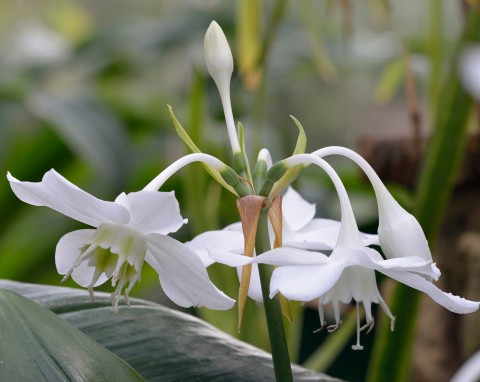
(129, 231)
(399, 232)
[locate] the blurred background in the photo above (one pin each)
(84, 88)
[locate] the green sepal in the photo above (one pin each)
(243, 161)
(276, 172)
(235, 181)
(259, 174)
(292, 173)
(193, 147)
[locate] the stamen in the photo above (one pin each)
(387, 311)
(358, 346)
(323, 326)
(321, 314)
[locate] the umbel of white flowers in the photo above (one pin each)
(348, 273)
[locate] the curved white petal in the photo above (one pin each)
(69, 247)
(290, 256)
(255, 288)
(67, 251)
(399, 232)
(230, 241)
(296, 210)
(237, 227)
(305, 282)
(449, 301)
(369, 258)
(182, 273)
(56, 192)
(152, 211)
(228, 258)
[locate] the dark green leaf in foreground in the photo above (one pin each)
(37, 345)
(160, 343)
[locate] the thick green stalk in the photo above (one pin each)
(273, 311)
(391, 359)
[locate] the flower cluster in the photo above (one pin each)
(134, 229)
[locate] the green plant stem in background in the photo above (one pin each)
(392, 354)
(273, 311)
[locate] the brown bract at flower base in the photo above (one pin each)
(249, 208)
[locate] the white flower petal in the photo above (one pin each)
(237, 227)
(305, 282)
(69, 247)
(183, 276)
(255, 287)
(290, 256)
(399, 232)
(228, 258)
(370, 258)
(55, 192)
(152, 211)
(66, 253)
(451, 302)
(230, 241)
(296, 210)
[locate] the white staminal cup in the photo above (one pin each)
(220, 66)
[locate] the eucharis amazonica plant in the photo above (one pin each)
(328, 261)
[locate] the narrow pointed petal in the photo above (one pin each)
(152, 212)
(228, 258)
(290, 256)
(296, 210)
(305, 282)
(183, 276)
(369, 258)
(57, 193)
(449, 301)
(229, 241)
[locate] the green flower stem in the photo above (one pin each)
(273, 311)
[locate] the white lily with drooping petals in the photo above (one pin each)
(348, 273)
(399, 232)
(129, 231)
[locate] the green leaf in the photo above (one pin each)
(390, 81)
(37, 345)
(291, 173)
(193, 147)
(160, 343)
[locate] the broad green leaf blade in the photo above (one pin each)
(160, 343)
(193, 147)
(292, 173)
(37, 345)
